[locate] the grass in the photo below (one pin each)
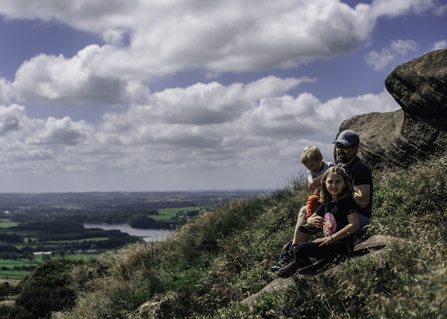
(167, 213)
(36, 261)
(224, 255)
(6, 224)
(57, 242)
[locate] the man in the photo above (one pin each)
(360, 176)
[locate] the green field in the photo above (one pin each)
(167, 213)
(6, 224)
(56, 242)
(20, 274)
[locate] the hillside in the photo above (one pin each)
(222, 256)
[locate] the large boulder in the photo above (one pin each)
(419, 129)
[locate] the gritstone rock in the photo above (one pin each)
(419, 129)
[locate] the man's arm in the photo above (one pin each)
(361, 195)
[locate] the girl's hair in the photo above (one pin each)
(348, 190)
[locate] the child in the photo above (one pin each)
(313, 160)
(337, 217)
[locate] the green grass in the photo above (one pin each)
(167, 213)
(19, 262)
(7, 224)
(20, 274)
(74, 241)
(13, 274)
(81, 256)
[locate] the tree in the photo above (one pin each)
(30, 256)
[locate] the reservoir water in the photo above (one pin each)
(146, 234)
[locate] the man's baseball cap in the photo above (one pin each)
(348, 138)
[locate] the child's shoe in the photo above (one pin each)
(288, 270)
(287, 259)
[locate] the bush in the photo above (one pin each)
(16, 312)
(42, 300)
(48, 288)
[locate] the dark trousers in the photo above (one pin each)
(302, 252)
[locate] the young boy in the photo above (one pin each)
(313, 160)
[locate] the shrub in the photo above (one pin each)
(16, 312)
(48, 288)
(42, 300)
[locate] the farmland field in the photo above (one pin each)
(14, 269)
(167, 213)
(6, 223)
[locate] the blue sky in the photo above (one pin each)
(147, 95)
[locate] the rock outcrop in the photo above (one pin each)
(419, 129)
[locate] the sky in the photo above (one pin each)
(152, 95)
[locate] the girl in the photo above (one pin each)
(337, 217)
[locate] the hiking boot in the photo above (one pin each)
(288, 270)
(314, 266)
(310, 230)
(287, 259)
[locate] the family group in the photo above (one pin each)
(340, 206)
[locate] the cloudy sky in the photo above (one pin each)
(147, 95)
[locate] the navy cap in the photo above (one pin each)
(348, 138)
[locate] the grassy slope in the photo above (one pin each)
(224, 255)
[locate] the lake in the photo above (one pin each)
(146, 234)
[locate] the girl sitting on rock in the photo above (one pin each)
(337, 218)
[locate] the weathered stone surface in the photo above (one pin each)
(377, 244)
(416, 131)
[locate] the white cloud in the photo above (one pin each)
(440, 45)
(35, 145)
(233, 130)
(171, 36)
(6, 91)
(393, 54)
(70, 82)
(264, 130)
(62, 132)
(393, 8)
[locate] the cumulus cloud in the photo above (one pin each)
(62, 132)
(69, 82)
(395, 8)
(148, 39)
(36, 145)
(261, 127)
(440, 45)
(255, 126)
(5, 91)
(392, 54)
